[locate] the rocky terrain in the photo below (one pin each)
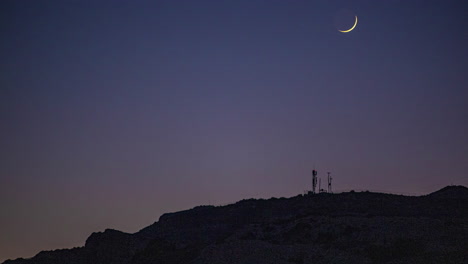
(352, 227)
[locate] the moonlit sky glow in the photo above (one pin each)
(115, 112)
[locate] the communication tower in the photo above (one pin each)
(314, 180)
(329, 183)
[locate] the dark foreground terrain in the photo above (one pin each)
(349, 227)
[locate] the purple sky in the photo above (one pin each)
(114, 112)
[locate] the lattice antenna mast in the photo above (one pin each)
(314, 180)
(329, 182)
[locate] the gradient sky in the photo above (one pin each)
(115, 112)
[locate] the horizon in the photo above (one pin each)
(310, 194)
(115, 112)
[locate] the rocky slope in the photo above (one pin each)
(348, 227)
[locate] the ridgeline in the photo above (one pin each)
(351, 227)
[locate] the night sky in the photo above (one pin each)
(115, 112)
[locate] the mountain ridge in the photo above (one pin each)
(354, 227)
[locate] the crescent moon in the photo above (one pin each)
(346, 31)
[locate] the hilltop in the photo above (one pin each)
(351, 227)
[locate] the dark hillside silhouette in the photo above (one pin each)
(352, 227)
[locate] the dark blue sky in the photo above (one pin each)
(114, 112)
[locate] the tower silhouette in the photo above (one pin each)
(314, 180)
